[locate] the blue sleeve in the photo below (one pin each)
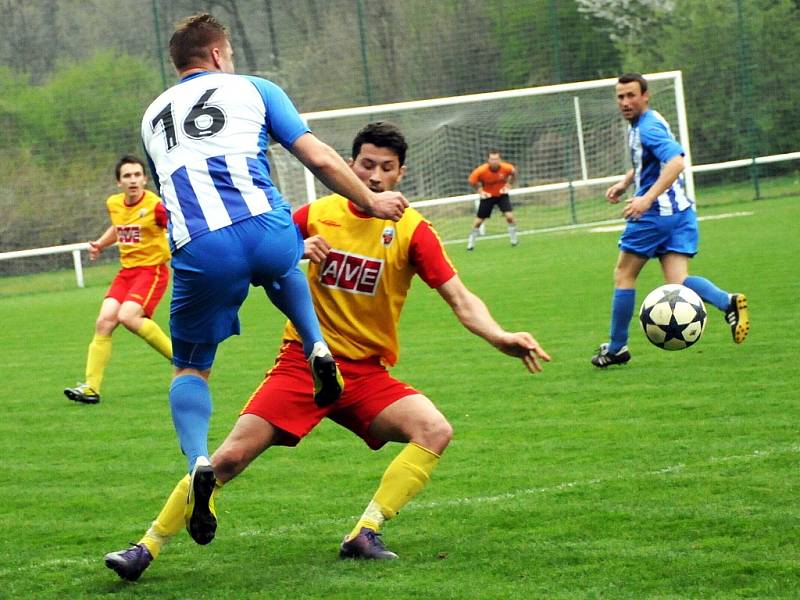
(658, 140)
(284, 123)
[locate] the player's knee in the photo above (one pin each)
(622, 278)
(130, 322)
(130, 317)
(444, 433)
(228, 461)
(434, 434)
(105, 325)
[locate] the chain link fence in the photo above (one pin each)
(75, 77)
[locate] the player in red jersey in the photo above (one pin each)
(493, 180)
(138, 221)
(360, 272)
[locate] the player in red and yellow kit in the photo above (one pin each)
(493, 180)
(360, 272)
(138, 221)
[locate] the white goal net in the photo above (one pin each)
(567, 142)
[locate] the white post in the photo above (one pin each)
(76, 260)
(683, 131)
(579, 123)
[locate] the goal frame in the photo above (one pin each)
(680, 105)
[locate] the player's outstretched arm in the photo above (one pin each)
(475, 316)
(104, 241)
(330, 169)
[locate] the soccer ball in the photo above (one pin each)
(673, 317)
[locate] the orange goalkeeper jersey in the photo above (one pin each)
(492, 181)
(140, 230)
(361, 286)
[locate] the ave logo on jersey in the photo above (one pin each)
(351, 272)
(129, 234)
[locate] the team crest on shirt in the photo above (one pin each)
(351, 272)
(142, 212)
(387, 236)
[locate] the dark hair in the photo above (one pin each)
(383, 135)
(492, 151)
(192, 38)
(128, 159)
(631, 77)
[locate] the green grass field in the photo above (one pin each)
(675, 476)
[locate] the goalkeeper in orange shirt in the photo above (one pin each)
(492, 180)
(138, 221)
(360, 273)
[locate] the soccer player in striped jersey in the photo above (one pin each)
(229, 227)
(360, 274)
(661, 222)
(138, 221)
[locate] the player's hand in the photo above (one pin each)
(484, 195)
(505, 189)
(94, 250)
(523, 345)
(316, 248)
(614, 193)
(636, 207)
(388, 205)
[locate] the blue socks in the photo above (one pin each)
(293, 298)
(621, 313)
(190, 401)
(708, 291)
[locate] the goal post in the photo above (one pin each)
(567, 141)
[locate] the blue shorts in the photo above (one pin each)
(212, 276)
(655, 235)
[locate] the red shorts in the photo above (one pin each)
(286, 396)
(143, 285)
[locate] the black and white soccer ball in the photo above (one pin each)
(673, 317)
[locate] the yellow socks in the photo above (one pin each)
(97, 360)
(169, 520)
(403, 479)
(151, 333)
(100, 351)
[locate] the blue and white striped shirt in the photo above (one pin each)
(206, 140)
(652, 145)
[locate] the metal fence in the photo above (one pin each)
(75, 78)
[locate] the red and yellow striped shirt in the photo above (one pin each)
(360, 288)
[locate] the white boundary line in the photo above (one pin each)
(497, 236)
(594, 227)
(467, 501)
(516, 494)
(620, 227)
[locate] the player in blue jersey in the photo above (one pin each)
(206, 139)
(661, 222)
